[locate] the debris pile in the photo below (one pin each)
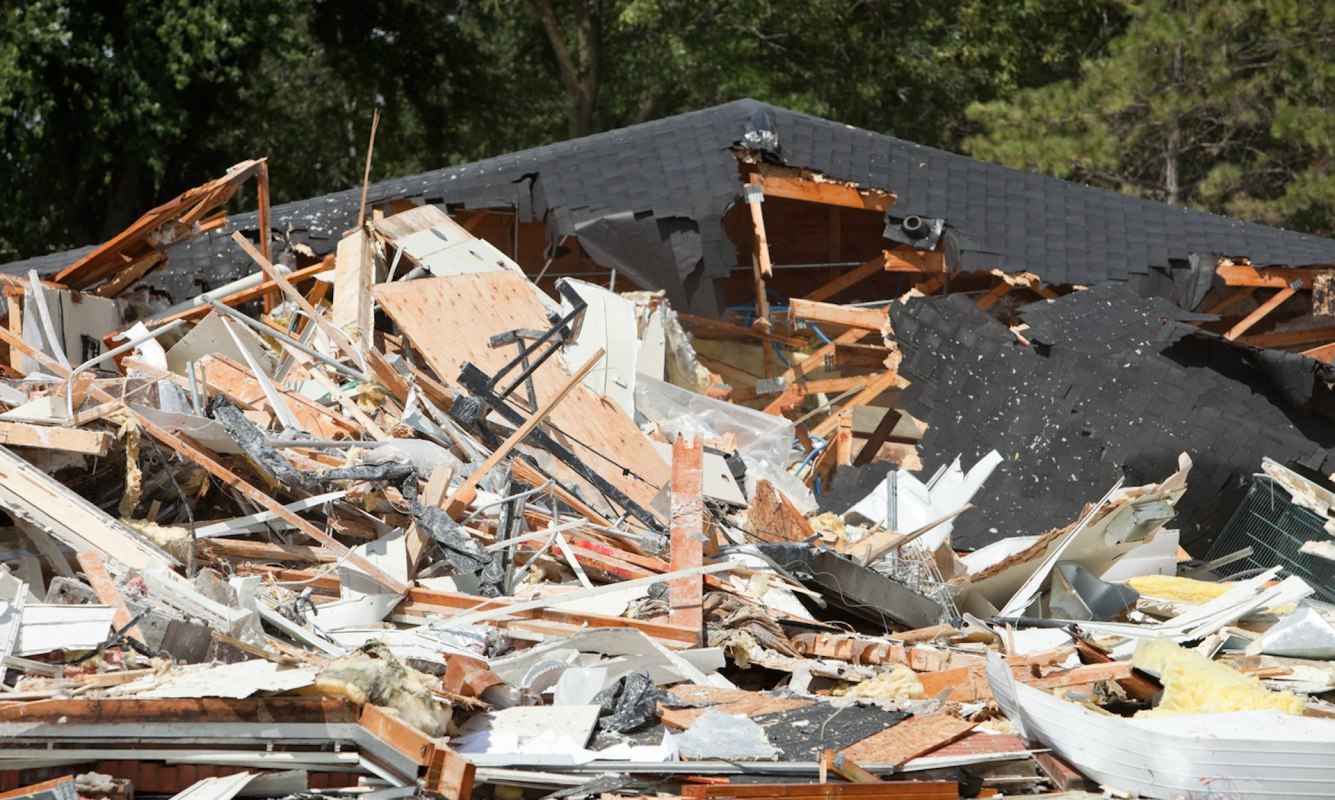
(395, 520)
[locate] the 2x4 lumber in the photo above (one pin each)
(243, 296)
(878, 437)
(991, 298)
(215, 468)
(761, 267)
(1290, 338)
(738, 330)
(852, 277)
(1325, 353)
(130, 273)
(67, 440)
(353, 275)
(462, 497)
(882, 383)
(14, 321)
(1260, 313)
(1269, 277)
(100, 579)
(686, 595)
(824, 192)
(868, 319)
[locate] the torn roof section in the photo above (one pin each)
(649, 200)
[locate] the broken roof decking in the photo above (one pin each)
(651, 197)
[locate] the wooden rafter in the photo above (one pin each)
(1270, 277)
(1260, 313)
(813, 188)
(1290, 338)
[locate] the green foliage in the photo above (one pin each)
(1221, 105)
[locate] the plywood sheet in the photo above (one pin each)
(449, 321)
(908, 740)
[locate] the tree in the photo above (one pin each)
(1215, 104)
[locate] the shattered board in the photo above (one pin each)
(1112, 385)
(803, 734)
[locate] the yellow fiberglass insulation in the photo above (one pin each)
(1171, 587)
(896, 683)
(1193, 684)
(373, 674)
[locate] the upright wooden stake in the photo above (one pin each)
(366, 176)
(761, 267)
(686, 595)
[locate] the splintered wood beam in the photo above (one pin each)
(850, 278)
(1234, 297)
(825, 192)
(686, 595)
(738, 330)
(868, 319)
(932, 285)
(90, 561)
(67, 440)
(761, 267)
(1271, 277)
(243, 296)
(353, 275)
(1290, 338)
(881, 383)
(906, 259)
(1260, 313)
(999, 291)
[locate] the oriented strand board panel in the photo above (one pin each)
(449, 321)
(908, 740)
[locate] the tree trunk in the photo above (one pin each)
(581, 70)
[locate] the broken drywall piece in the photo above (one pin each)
(905, 503)
(529, 735)
(210, 336)
(608, 323)
(727, 737)
(48, 628)
(78, 320)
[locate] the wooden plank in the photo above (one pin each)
(215, 468)
(878, 437)
(224, 375)
(353, 273)
(847, 279)
(1290, 338)
(68, 440)
(1325, 353)
(247, 549)
(464, 496)
(903, 258)
(128, 275)
(908, 740)
(731, 330)
(686, 595)
(1260, 313)
(14, 321)
(1269, 277)
(95, 569)
(869, 319)
(825, 192)
(596, 430)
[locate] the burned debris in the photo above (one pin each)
(791, 471)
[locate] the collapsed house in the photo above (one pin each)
(736, 454)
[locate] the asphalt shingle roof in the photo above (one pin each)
(680, 170)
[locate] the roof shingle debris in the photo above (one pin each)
(399, 511)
